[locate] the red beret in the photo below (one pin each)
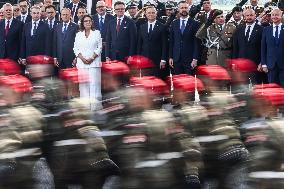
(151, 84)
(71, 74)
(8, 67)
(186, 82)
(241, 65)
(115, 68)
(264, 86)
(40, 59)
(139, 62)
(18, 83)
(214, 72)
(273, 95)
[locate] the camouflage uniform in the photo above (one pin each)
(21, 136)
(219, 42)
(162, 154)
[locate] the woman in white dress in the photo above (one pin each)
(88, 48)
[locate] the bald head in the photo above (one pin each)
(249, 16)
(276, 16)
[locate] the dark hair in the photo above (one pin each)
(50, 7)
(82, 28)
(181, 2)
(118, 3)
(82, 7)
(24, 1)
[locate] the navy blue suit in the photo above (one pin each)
(70, 6)
(39, 43)
(122, 44)
(153, 45)
(107, 19)
(10, 45)
(250, 49)
(184, 47)
(272, 55)
(28, 18)
(63, 44)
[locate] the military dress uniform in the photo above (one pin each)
(218, 41)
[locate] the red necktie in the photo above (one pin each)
(118, 25)
(7, 27)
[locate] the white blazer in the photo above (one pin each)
(87, 47)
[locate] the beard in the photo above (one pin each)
(184, 13)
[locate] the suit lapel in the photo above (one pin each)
(122, 25)
(281, 31)
(12, 26)
(253, 33)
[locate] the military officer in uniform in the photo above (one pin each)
(132, 8)
(218, 38)
(237, 16)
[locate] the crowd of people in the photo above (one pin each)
(169, 96)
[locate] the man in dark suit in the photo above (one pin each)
(152, 42)
(10, 34)
(121, 35)
(101, 20)
(25, 17)
(82, 11)
(51, 20)
(63, 41)
(36, 37)
(74, 6)
(247, 43)
(183, 46)
(272, 49)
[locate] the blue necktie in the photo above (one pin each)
(101, 24)
(34, 29)
(276, 37)
(182, 26)
(65, 28)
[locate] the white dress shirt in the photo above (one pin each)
(103, 16)
(25, 17)
(121, 19)
(251, 28)
(10, 22)
(185, 19)
(33, 25)
(64, 25)
(153, 25)
(87, 46)
(279, 29)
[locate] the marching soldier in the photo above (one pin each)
(21, 138)
(218, 38)
(163, 144)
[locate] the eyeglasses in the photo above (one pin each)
(87, 21)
